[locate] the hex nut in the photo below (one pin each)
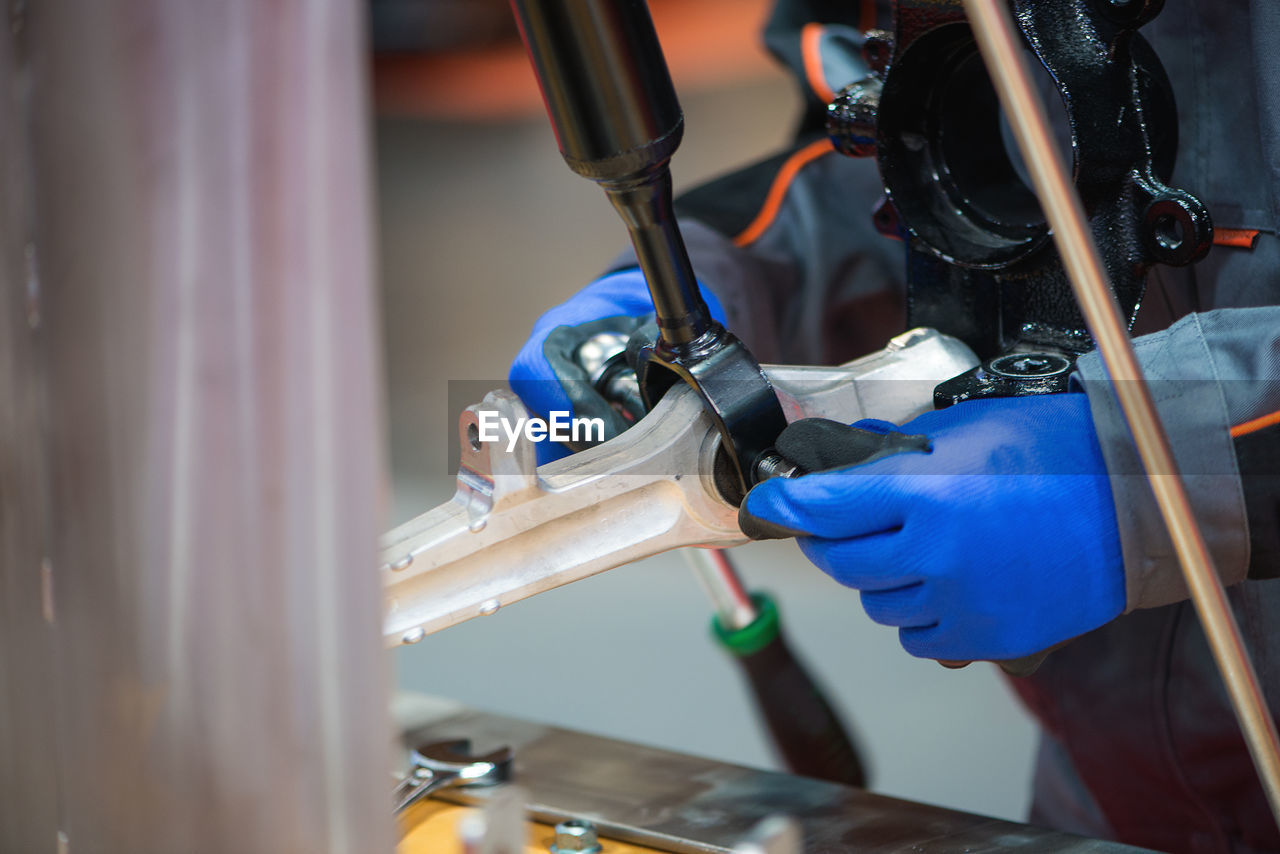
(575, 836)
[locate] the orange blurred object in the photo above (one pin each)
(431, 827)
(708, 43)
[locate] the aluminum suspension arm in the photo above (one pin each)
(513, 529)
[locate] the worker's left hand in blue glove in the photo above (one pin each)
(997, 542)
(545, 373)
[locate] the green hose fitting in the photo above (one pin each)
(756, 635)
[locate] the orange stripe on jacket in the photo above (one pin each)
(778, 190)
(811, 50)
(1241, 238)
(1247, 427)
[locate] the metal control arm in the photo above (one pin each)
(514, 529)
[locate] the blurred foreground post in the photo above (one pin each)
(190, 431)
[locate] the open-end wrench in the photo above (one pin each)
(445, 764)
(514, 529)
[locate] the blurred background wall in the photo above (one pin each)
(482, 228)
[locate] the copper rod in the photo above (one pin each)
(1002, 50)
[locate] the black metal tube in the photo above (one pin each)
(617, 121)
(646, 207)
(605, 83)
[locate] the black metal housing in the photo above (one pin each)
(981, 264)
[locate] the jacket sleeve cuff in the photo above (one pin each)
(1192, 406)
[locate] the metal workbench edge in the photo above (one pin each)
(692, 805)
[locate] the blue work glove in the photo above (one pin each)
(997, 542)
(545, 374)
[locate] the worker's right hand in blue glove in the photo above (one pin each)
(546, 374)
(984, 531)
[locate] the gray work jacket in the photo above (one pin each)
(1140, 743)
